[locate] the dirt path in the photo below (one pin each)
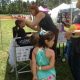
(6, 17)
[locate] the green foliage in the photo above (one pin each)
(19, 7)
(16, 7)
(51, 3)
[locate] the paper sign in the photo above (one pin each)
(61, 37)
(22, 53)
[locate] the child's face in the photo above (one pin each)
(49, 43)
(22, 24)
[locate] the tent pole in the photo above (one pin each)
(1, 34)
(71, 11)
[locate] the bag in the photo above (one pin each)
(24, 41)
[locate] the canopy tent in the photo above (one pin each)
(73, 4)
(63, 6)
(54, 11)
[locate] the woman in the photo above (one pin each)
(76, 47)
(42, 20)
(74, 35)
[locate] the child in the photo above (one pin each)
(18, 31)
(43, 58)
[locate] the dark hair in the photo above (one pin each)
(15, 29)
(18, 22)
(47, 36)
(34, 38)
(34, 6)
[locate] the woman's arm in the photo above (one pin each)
(52, 62)
(34, 24)
(68, 35)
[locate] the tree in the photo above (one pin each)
(51, 3)
(19, 7)
(4, 6)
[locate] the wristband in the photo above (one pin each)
(39, 67)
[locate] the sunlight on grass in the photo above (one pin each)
(3, 60)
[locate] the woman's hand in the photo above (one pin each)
(68, 35)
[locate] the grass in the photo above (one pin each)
(63, 71)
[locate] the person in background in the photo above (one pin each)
(43, 58)
(41, 20)
(74, 48)
(18, 31)
(74, 35)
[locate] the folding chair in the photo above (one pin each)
(22, 61)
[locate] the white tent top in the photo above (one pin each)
(73, 4)
(62, 6)
(54, 11)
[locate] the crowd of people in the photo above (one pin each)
(42, 55)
